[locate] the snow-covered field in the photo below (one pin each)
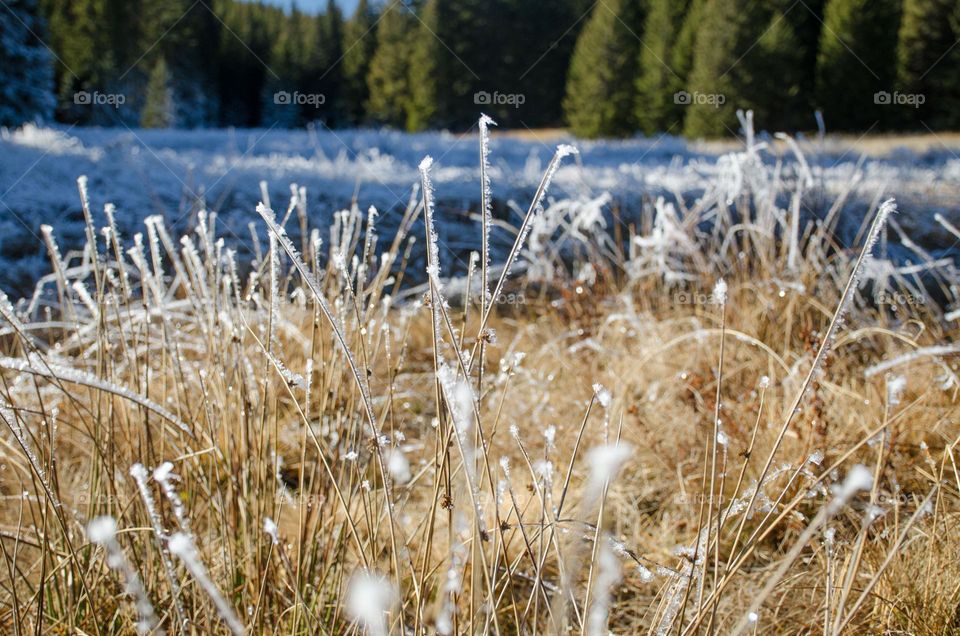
(172, 173)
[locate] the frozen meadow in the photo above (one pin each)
(175, 173)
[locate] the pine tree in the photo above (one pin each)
(359, 41)
(601, 86)
(431, 71)
(26, 69)
(461, 51)
(927, 62)
(244, 61)
(856, 62)
(681, 55)
(720, 79)
(388, 80)
(292, 70)
(659, 78)
(780, 52)
(158, 108)
(530, 45)
(325, 73)
(75, 36)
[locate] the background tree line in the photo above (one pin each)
(605, 68)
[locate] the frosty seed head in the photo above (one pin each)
(369, 598)
(603, 395)
(102, 530)
(895, 387)
(181, 545)
(163, 472)
(720, 292)
(270, 527)
(398, 466)
(605, 462)
(138, 471)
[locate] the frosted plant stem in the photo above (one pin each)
(334, 323)
(139, 474)
(103, 531)
(878, 223)
(720, 296)
(90, 233)
(182, 546)
(859, 478)
(891, 555)
(60, 373)
(535, 206)
(446, 383)
(487, 220)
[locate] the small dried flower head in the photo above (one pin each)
(603, 395)
(720, 292)
(369, 599)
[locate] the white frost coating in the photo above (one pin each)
(550, 435)
(895, 388)
(103, 531)
(9, 314)
(66, 374)
(720, 292)
(460, 398)
(604, 397)
(163, 475)
(433, 264)
(270, 527)
(605, 462)
(139, 474)
(398, 466)
(859, 478)
(182, 546)
(608, 575)
(485, 123)
(369, 599)
(917, 354)
(163, 471)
